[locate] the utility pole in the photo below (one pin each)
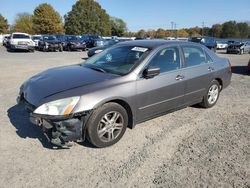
(203, 25)
(172, 28)
(175, 28)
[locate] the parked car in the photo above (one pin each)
(62, 38)
(21, 41)
(6, 40)
(246, 47)
(239, 48)
(96, 50)
(221, 45)
(74, 43)
(209, 42)
(36, 39)
(122, 86)
(50, 43)
(90, 40)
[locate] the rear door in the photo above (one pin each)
(166, 90)
(198, 73)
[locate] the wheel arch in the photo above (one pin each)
(126, 106)
(220, 82)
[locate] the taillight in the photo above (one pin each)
(229, 68)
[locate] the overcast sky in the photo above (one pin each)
(148, 14)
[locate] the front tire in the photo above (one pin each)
(241, 52)
(107, 125)
(212, 95)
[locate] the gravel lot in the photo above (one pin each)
(193, 147)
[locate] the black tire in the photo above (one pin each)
(205, 103)
(241, 51)
(68, 48)
(44, 49)
(94, 123)
(61, 48)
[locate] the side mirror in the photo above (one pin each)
(151, 72)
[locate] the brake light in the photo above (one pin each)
(229, 67)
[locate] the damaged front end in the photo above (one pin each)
(59, 130)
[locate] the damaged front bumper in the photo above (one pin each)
(61, 130)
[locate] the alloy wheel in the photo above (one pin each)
(110, 126)
(213, 94)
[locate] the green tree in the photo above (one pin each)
(151, 33)
(243, 29)
(23, 23)
(119, 27)
(182, 33)
(195, 31)
(46, 20)
(3, 25)
(160, 33)
(87, 16)
(216, 30)
(141, 34)
(230, 30)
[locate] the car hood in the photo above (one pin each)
(57, 80)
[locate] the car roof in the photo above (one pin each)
(151, 43)
(18, 33)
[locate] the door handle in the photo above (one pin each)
(179, 77)
(210, 69)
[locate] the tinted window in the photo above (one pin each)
(193, 56)
(49, 37)
(73, 38)
(119, 60)
(20, 36)
(167, 59)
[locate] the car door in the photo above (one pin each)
(164, 91)
(198, 73)
(247, 47)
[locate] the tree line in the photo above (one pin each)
(230, 29)
(88, 17)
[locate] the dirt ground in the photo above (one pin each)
(192, 147)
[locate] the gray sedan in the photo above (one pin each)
(122, 86)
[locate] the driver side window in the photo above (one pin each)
(167, 60)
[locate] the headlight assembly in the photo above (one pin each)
(58, 107)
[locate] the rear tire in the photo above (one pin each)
(107, 125)
(212, 95)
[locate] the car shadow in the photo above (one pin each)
(19, 118)
(85, 58)
(240, 70)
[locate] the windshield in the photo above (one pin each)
(20, 36)
(118, 60)
(196, 39)
(36, 38)
(49, 38)
(73, 37)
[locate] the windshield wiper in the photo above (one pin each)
(98, 69)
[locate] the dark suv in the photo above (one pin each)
(209, 42)
(91, 40)
(50, 43)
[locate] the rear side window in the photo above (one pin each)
(193, 56)
(167, 59)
